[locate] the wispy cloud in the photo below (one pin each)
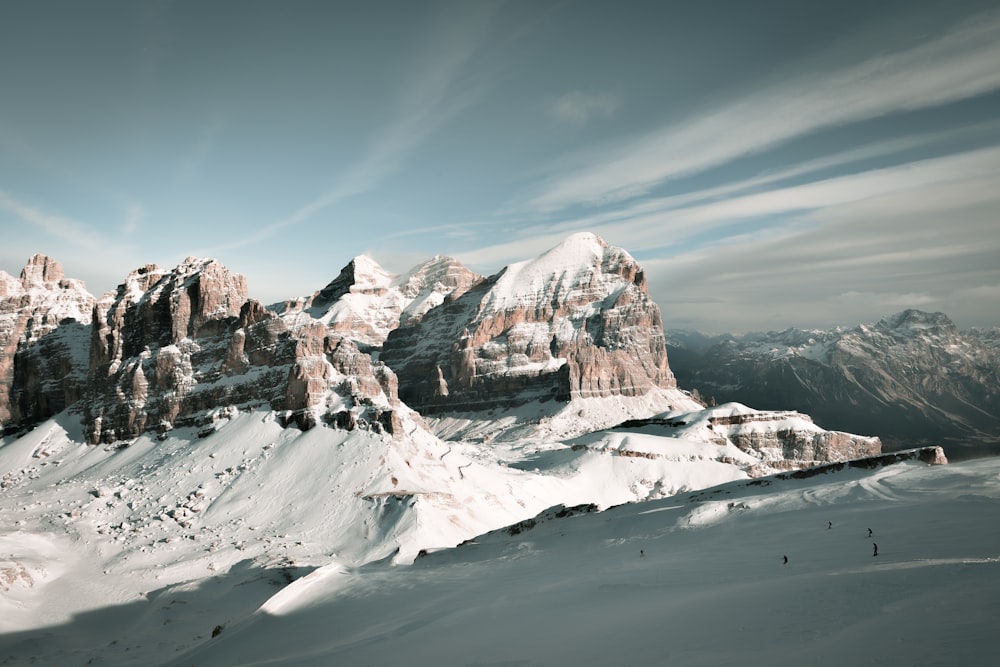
(434, 95)
(970, 177)
(31, 158)
(191, 165)
(575, 109)
(62, 228)
(657, 209)
(888, 299)
(135, 214)
(919, 247)
(958, 65)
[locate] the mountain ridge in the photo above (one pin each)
(572, 332)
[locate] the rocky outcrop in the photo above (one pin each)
(775, 440)
(171, 348)
(576, 322)
(912, 378)
(789, 437)
(44, 327)
(155, 340)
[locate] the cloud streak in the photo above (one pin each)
(576, 109)
(434, 95)
(919, 247)
(670, 221)
(953, 67)
(65, 229)
(191, 165)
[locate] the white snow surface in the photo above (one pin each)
(48, 304)
(691, 580)
(561, 272)
(303, 548)
(556, 421)
(379, 301)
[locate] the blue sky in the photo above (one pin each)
(771, 164)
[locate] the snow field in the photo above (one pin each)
(577, 591)
(135, 553)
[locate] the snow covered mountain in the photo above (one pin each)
(912, 378)
(562, 345)
(365, 302)
(574, 324)
(186, 438)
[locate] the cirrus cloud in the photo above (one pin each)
(576, 109)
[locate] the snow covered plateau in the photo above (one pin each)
(442, 468)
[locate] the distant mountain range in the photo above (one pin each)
(913, 378)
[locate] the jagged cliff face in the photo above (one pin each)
(771, 440)
(44, 328)
(912, 378)
(576, 322)
(784, 439)
(171, 348)
(573, 333)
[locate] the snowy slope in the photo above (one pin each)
(248, 502)
(141, 548)
(696, 579)
(710, 587)
(572, 272)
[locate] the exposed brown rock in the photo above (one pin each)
(577, 322)
(41, 271)
(155, 339)
(44, 323)
(171, 348)
(933, 456)
(805, 448)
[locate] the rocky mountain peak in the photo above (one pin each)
(155, 308)
(572, 332)
(40, 271)
(9, 285)
(362, 275)
(138, 282)
(171, 348)
(44, 328)
(429, 284)
(575, 271)
(917, 320)
(912, 378)
(365, 302)
(439, 269)
(575, 322)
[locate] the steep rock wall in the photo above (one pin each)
(44, 326)
(576, 322)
